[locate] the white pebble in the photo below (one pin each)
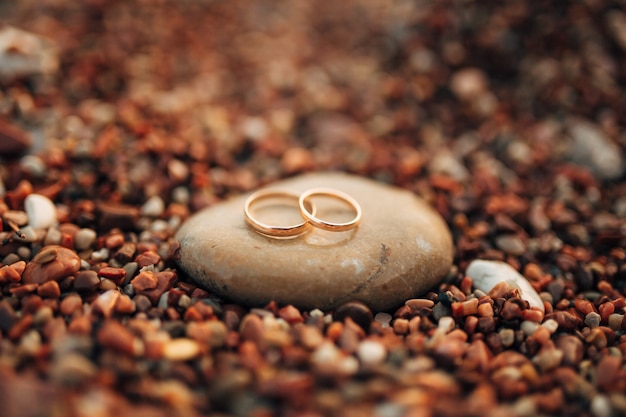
(84, 239)
(34, 165)
(153, 207)
(383, 318)
(601, 406)
(181, 195)
(41, 211)
(163, 300)
(529, 327)
(550, 324)
(100, 255)
(28, 234)
(53, 236)
(371, 352)
(486, 274)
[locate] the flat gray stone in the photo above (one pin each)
(401, 249)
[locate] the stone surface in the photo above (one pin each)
(401, 249)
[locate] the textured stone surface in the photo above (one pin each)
(401, 249)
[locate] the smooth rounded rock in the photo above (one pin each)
(401, 249)
(65, 263)
(41, 211)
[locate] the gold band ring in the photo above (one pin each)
(275, 231)
(337, 195)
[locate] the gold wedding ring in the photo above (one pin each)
(336, 195)
(276, 231)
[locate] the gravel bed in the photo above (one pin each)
(119, 119)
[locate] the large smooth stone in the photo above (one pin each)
(401, 249)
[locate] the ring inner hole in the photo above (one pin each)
(277, 211)
(332, 210)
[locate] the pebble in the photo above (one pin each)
(355, 310)
(601, 406)
(371, 353)
(572, 348)
(24, 53)
(153, 207)
(468, 83)
(615, 321)
(383, 318)
(41, 211)
(486, 274)
(592, 148)
(84, 239)
(592, 319)
(72, 369)
(65, 264)
(13, 140)
(401, 249)
(511, 244)
(105, 303)
(28, 234)
(181, 349)
(86, 281)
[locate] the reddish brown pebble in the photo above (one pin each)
(115, 240)
(125, 253)
(417, 304)
(511, 310)
(114, 335)
(116, 275)
(147, 258)
(485, 310)
(23, 290)
(533, 314)
(608, 372)
(124, 305)
(584, 306)
(211, 333)
(9, 274)
(533, 272)
(49, 289)
(146, 280)
(572, 348)
(80, 325)
(165, 281)
(251, 328)
(70, 304)
(13, 140)
(66, 263)
(465, 308)
(565, 319)
(105, 303)
(86, 281)
(290, 314)
(20, 327)
(605, 310)
(112, 215)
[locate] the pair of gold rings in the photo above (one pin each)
(307, 210)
